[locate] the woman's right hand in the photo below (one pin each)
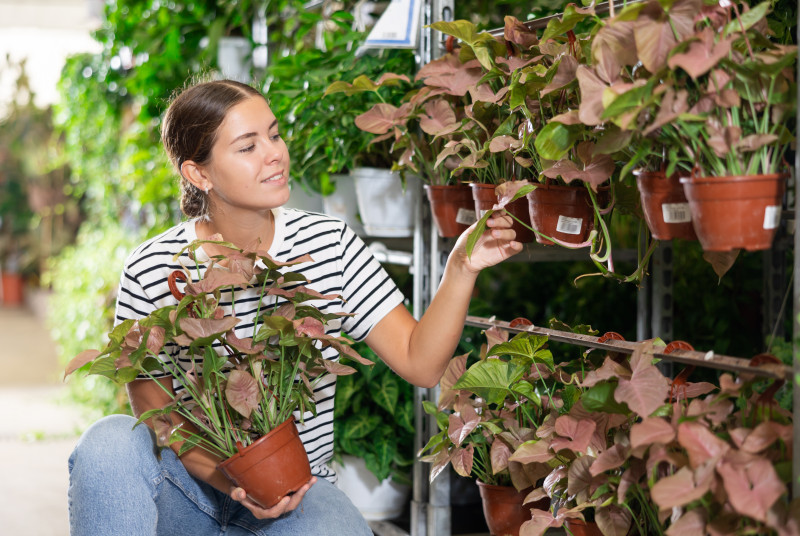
(286, 504)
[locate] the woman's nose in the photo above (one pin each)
(273, 150)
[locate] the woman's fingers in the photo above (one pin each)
(286, 504)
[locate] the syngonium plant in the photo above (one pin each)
(664, 457)
(701, 86)
(235, 390)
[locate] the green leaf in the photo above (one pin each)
(555, 140)
(747, 19)
(380, 464)
(386, 393)
(561, 26)
(490, 379)
(600, 397)
(476, 233)
(360, 425)
(526, 390)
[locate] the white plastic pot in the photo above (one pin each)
(342, 203)
(386, 210)
(375, 500)
(302, 200)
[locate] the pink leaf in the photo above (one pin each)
(592, 88)
(752, 484)
(244, 345)
(579, 431)
(456, 367)
(460, 426)
(197, 328)
(613, 520)
(216, 278)
(630, 478)
(565, 74)
(702, 55)
(651, 430)
(155, 339)
(700, 443)
(504, 143)
(541, 520)
(692, 523)
(579, 476)
(677, 490)
(440, 118)
(610, 459)
(462, 460)
(765, 434)
(506, 191)
(310, 327)
(609, 369)
(381, 118)
(533, 451)
(302, 290)
(612, 47)
(516, 32)
(645, 392)
(337, 369)
(242, 392)
(80, 360)
(499, 454)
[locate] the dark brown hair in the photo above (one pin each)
(189, 130)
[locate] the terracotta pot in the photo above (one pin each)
(272, 467)
(562, 212)
(485, 198)
(13, 289)
(452, 207)
(666, 209)
(582, 528)
(503, 508)
(736, 212)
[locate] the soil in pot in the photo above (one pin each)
(485, 198)
(562, 212)
(503, 508)
(272, 467)
(665, 207)
(735, 212)
(453, 208)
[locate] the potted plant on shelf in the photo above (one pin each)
(238, 395)
(325, 145)
(717, 94)
(374, 437)
(484, 413)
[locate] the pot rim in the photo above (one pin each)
(735, 178)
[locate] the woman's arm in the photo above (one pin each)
(148, 394)
(420, 351)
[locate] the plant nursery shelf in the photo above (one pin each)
(687, 357)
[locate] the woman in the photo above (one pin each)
(225, 143)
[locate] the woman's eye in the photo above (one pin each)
(247, 149)
(275, 137)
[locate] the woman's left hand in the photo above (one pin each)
(494, 246)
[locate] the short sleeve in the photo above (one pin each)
(368, 290)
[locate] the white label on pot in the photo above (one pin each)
(676, 212)
(772, 216)
(569, 225)
(465, 216)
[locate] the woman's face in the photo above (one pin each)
(249, 165)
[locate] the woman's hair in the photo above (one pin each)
(190, 129)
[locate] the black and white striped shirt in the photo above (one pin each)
(342, 264)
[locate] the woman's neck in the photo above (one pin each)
(245, 231)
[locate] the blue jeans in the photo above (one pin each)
(120, 483)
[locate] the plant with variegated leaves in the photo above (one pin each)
(234, 390)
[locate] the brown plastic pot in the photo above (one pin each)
(485, 199)
(13, 289)
(452, 207)
(665, 207)
(735, 212)
(272, 467)
(562, 212)
(579, 527)
(503, 508)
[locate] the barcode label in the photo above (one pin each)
(568, 225)
(772, 216)
(676, 212)
(465, 216)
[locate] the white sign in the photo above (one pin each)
(569, 225)
(398, 26)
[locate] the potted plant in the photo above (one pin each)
(326, 146)
(238, 394)
(484, 413)
(716, 93)
(374, 437)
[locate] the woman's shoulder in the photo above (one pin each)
(161, 248)
(304, 224)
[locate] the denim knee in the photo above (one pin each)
(114, 440)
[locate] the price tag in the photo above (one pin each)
(772, 216)
(466, 216)
(569, 225)
(676, 212)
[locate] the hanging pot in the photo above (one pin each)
(272, 467)
(562, 212)
(386, 209)
(485, 198)
(453, 208)
(664, 204)
(735, 212)
(342, 202)
(503, 508)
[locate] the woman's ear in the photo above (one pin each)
(196, 175)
